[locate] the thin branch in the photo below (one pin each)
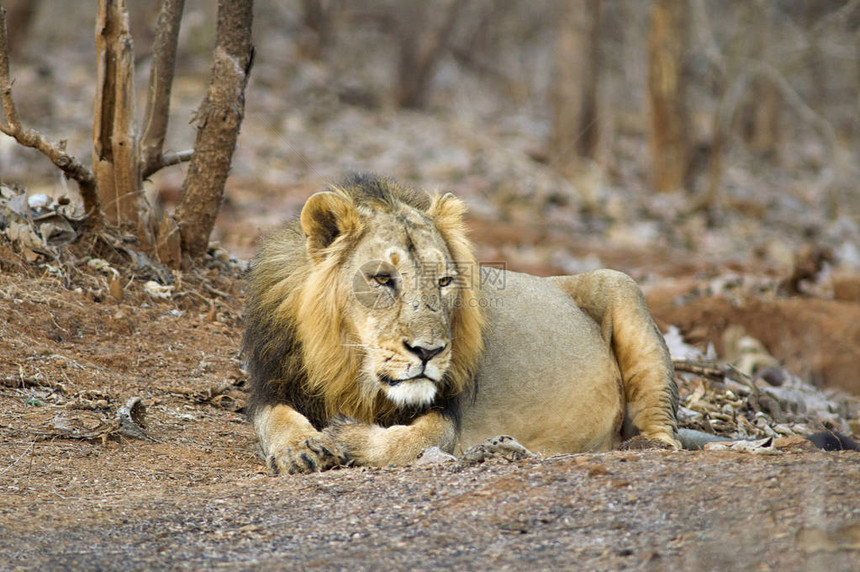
(699, 368)
(174, 158)
(715, 371)
(15, 462)
(168, 160)
(836, 16)
(160, 83)
(27, 137)
(730, 103)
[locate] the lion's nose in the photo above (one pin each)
(423, 350)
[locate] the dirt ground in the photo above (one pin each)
(79, 339)
(76, 492)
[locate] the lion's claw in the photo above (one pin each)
(314, 454)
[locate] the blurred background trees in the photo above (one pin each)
(693, 77)
(660, 96)
(573, 95)
(111, 189)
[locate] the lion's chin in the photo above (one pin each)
(414, 392)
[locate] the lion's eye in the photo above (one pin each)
(446, 281)
(383, 279)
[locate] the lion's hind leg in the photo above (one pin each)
(617, 304)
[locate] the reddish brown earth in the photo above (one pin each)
(817, 338)
(77, 494)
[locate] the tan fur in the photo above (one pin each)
(371, 444)
(366, 323)
(293, 442)
(614, 301)
(330, 353)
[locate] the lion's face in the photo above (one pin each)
(388, 303)
(404, 285)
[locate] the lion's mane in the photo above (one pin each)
(300, 346)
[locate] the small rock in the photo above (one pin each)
(156, 290)
(132, 420)
(37, 201)
(433, 456)
(757, 447)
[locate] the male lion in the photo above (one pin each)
(372, 334)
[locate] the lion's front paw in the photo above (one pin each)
(343, 429)
(340, 424)
(503, 446)
(370, 445)
(316, 453)
(350, 435)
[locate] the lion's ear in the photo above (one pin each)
(448, 210)
(326, 216)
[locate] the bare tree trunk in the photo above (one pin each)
(763, 127)
(18, 20)
(761, 116)
(160, 83)
(116, 158)
(573, 96)
(218, 121)
(420, 49)
(668, 141)
(316, 29)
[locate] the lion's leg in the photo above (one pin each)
(373, 445)
(616, 302)
(291, 444)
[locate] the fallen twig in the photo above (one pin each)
(698, 368)
(20, 381)
(15, 462)
(716, 371)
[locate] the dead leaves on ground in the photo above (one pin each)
(225, 395)
(89, 415)
(129, 422)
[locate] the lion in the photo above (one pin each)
(373, 334)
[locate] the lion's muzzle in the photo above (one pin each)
(423, 350)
